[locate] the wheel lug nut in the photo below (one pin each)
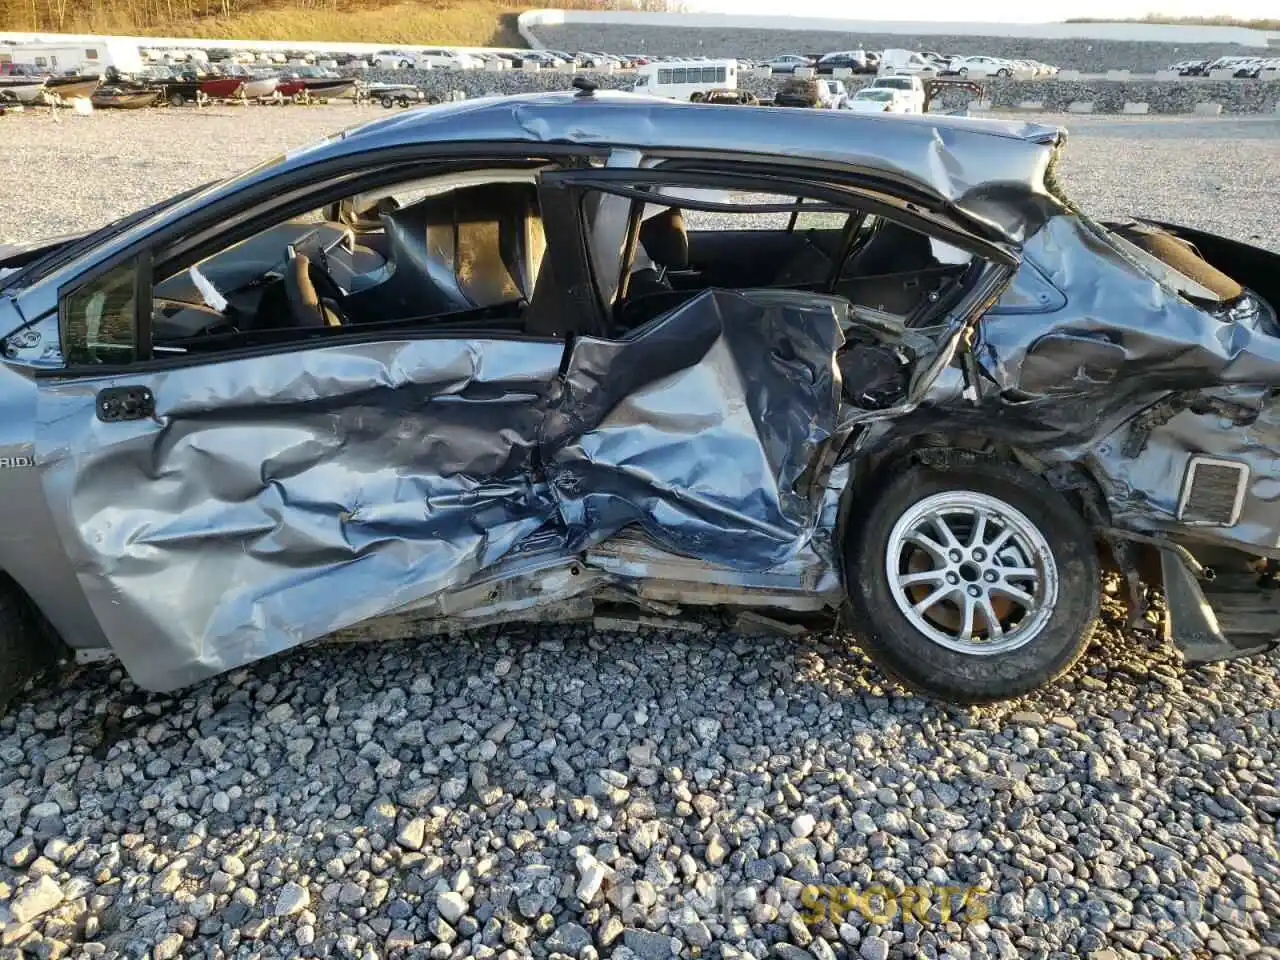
(990, 576)
(956, 556)
(975, 591)
(953, 578)
(979, 554)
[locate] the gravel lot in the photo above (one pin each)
(558, 790)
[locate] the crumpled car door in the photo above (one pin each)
(222, 512)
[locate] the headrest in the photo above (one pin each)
(665, 239)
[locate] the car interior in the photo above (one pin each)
(466, 248)
(898, 281)
(876, 264)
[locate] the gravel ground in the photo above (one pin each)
(557, 790)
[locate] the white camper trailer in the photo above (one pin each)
(83, 56)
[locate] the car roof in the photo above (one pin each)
(990, 171)
(958, 159)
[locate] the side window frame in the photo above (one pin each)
(861, 197)
(182, 242)
(142, 262)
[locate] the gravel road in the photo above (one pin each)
(556, 790)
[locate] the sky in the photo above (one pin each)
(1018, 11)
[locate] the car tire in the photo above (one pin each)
(29, 646)
(1039, 641)
(177, 100)
(1002, 73)
(404, 64)
(697, 96)
(963, 71)
(387, 102)
(403, 101)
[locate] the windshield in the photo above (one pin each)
(874, 95)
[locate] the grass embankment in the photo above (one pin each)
(455, 22)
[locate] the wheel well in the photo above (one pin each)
(1077, 484)
(1072, 480)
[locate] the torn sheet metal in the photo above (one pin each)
(270, 503)
(708, 457)
(1126, 378)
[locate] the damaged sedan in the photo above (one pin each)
(575, 356)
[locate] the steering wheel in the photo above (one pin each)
(314, 297)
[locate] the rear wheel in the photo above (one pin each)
(403, 101)
(388, 102)
(974, 583)
(697, 96)
(1002, 73)
(177, 100)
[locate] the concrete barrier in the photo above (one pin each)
(1208, 110)
(1067, 75)
(530, 66)
(1135, 109)
(842, 73)
(495, 66)
(979, 106)
(1031, 105)
(1226, 73)
(1117, 74)
(805, 73)
(763, 72)
(1165, 75)
(1080, 106)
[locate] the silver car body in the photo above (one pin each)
(705, 458)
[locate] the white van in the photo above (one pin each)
(907, 62)
(86, 56)
(686, 79)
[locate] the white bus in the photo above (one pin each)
(686, 79)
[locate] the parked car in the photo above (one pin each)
(787, 63)
(393, 60)
(1191, 68)
(855, 60)
(268, 409)
(743, 98)
(983, 67)
(1249, 69)
(595, 61)
(541, 57)
(910, 90)
(878, 100)
(439, 58)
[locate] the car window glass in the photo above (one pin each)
(99, 318)
(411, 253)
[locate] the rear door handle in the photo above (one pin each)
(126, 403)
